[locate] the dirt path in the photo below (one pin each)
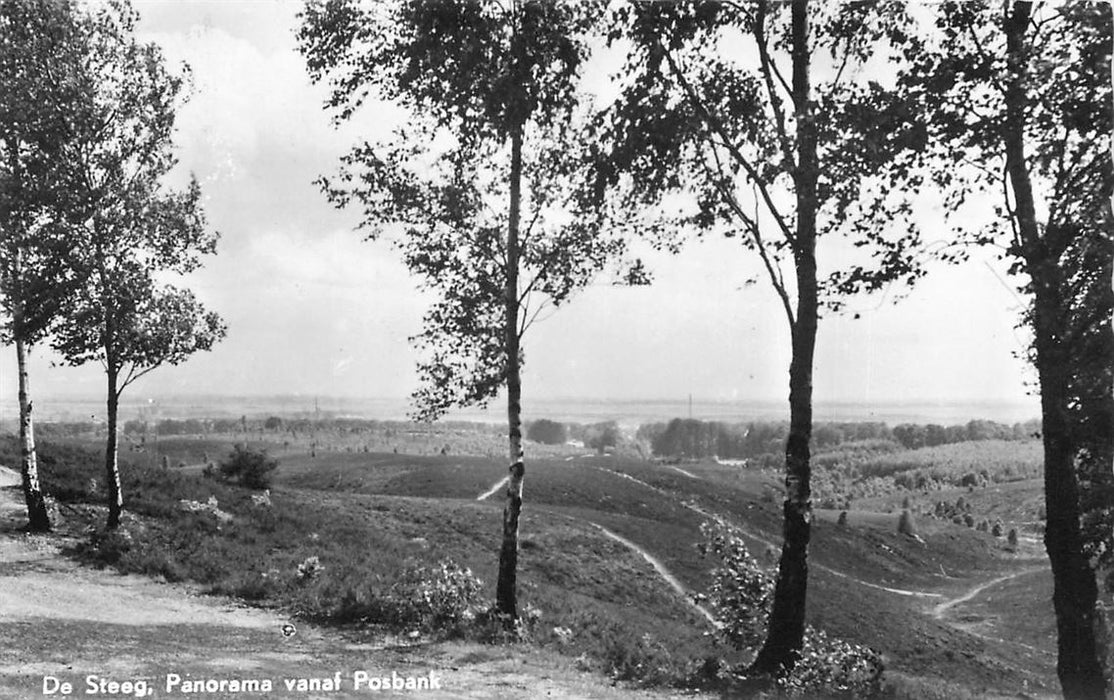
(682, 471)
(494, 489)
(769, 543)
(941, 610)
(63, 623)
(663, 572)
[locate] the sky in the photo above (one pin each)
(313, 309)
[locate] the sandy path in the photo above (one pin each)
(68, 622)
(492, 491)
(942, 609)
(769, 543)
(663, 572)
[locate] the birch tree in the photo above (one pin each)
(722, 106)
(37, 51)
(134, 225)
(479, 186)
(1017, 97)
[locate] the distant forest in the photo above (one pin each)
(678, 438)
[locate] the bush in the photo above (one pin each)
(842, 522)
(906, 525)
(741, 591)
(830, 666)
(251, 468)
(437, 596)
(547, 432)
(740, 597)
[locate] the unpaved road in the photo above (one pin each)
(62, 623)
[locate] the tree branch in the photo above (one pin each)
(736, 154)
(768, 69)
(776, 278)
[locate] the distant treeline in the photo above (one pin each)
(597, 436)
(257, 425)
(691, 438)
(678, 438)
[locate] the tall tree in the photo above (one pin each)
(134, 225)
(37, 100)
(1017, 97)
(781, 163)
(478, 183)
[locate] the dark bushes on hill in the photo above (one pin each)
(547, 432)
(251, 468)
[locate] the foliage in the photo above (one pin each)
(741, 590)
(547, 432)
(741, 593)
(250, 468)
(439, 596)
(472, 78)
(310, 568)
(831, 667)
(601, 436)
(906, 524)
(40, 94)
(132, 225)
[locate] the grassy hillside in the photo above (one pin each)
(378, 521)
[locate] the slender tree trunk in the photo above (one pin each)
(37, 516)
(506, 595)
(38, 519)
(111, 463)
(1075, 590)
(785, 635)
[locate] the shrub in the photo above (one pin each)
(969, 520)
(310, 568)
(547, 432)
(251, 468)
(741, 591)
(997, 529)
(906, 525)
(435, 596)
(830, 666)
(740, 596)
(106, 547)
(842, 521)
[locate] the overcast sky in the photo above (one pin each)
(313, 309)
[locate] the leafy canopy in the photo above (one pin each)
(472, 77)
(133, 226)
(707, 118)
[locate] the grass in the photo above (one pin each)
(618, 612)
(371, 518)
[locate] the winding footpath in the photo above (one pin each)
(941, 610)
(663, 572)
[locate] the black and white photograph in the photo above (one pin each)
(564, 349)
